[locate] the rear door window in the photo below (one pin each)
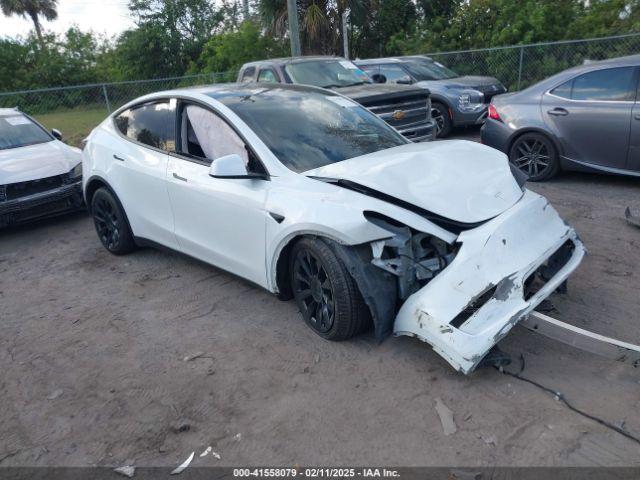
(393, 73)
(612, 85)
(152, 124)
(247, 75)
(267, 76)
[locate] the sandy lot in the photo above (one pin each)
(97, 369)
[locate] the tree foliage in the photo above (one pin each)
(174, 37)
(32, 9)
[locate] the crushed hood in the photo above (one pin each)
(37, 161)
(462, 181)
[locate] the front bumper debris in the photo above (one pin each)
(489, 287)
(43, 204)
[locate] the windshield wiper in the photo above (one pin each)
(331, 85)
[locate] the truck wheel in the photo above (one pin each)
(326, 294)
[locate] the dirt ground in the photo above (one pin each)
(96, 355)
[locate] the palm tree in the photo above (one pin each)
(32, 9)
(320, 21)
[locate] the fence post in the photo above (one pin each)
(213, 77)
(520, 67)
(106, 97)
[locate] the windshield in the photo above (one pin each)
(429, 70)
(327, 73)
(307, 129)
(19, 131)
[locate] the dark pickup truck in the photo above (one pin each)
(407, 109)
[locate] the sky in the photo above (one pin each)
(102, 16)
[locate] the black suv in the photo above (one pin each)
(407, 109)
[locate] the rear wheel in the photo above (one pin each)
(535, 155)
(440, 115)
(111, 223)
(326, 294)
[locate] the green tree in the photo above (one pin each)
(170, 34)
(32, 9)
(228, 51)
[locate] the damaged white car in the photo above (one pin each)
(311, 196)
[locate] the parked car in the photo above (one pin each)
(39, 174)
(456, 100)
(585, 118)
(331, 206)
(408, 109)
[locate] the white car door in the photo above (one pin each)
(219, 220)
(138, 167)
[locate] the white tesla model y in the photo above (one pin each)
(308, 194)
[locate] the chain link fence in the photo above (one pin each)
(76, 110)
(519, 66)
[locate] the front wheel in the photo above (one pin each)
(111, 223)
(535, 155)
(326, 294)
(440, 114)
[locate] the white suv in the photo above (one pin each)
(310, 195)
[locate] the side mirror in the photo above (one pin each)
(378, 78)
(231, 166)
(406, 80)
(57, 134)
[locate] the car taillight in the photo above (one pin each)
(493, 113)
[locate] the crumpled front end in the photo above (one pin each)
(502, 270)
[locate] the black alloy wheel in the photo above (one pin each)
(313, 287)
(535, 155)
(327, 296)
(111, 223)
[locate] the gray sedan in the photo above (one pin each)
(585, 118)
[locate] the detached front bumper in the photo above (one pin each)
(486, 290)
(32, 207)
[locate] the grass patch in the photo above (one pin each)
(75, 125)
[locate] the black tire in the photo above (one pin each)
(111, 222)
(536, 156)
(326, 294)
(440, 114)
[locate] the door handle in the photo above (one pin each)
(118, 158)
(178, 177)
(558, 112)
(636, 116)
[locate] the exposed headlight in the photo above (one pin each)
(470, 100)
(76, 172)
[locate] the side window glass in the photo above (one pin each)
(248, 73)
(612, 84)
(267, 76)
(151, 124)
(206, 136)
(563, 91)
(370, 69)
(393, 73)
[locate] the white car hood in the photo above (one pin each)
(463, 181)
(37, 161)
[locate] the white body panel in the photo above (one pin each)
(37, 161)
(457, 179)
(503, 253)
(243, 225)
(218, 220)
